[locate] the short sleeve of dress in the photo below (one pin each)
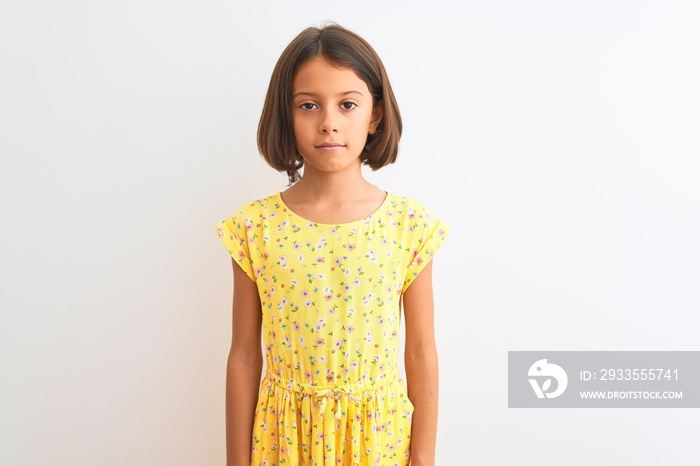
(233, 234)
(430, 234)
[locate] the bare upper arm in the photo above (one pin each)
(247, 314)
(419, 312)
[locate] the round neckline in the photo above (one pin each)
(381, 207)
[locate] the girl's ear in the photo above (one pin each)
(377, 115)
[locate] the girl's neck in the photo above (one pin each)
(331, 187)
(333, 201)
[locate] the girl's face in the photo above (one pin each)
(333, 113)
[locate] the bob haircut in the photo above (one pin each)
(341, 47)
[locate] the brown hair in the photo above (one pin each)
(339, 46)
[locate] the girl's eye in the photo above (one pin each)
(307, 106)
(348, 105)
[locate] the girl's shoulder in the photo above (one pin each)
(410, 207)
(257, 207)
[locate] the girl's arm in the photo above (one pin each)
(244, 368)
(421, 366)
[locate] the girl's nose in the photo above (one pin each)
(328, 122)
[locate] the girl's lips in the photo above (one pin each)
(330, 146)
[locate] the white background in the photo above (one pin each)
(558, 138)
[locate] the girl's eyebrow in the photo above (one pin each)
(311, 94)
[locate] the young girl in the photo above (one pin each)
(322, 271)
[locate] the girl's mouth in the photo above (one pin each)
(330, 146)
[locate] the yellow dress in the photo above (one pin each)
(331, 304)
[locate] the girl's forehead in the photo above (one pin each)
(319, 74)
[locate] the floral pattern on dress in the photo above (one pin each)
(331, 303)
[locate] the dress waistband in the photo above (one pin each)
(331, 391)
